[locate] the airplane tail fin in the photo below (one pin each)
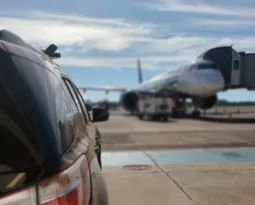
(139, 69)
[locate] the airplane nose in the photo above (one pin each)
(214, 82)
(200, 82)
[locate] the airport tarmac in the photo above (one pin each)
(233, 109)
(182, 161)
(130, 133)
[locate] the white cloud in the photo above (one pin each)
(216, 15)
(148, 62)
(176, 43)
(192, 46)
(186, 53)
(227, 24)
(180, 6)
(202, 7)
(116, 34)
(91, 33)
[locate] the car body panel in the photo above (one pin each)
(38, 110)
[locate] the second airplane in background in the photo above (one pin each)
(199, 81)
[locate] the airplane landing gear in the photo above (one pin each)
(179, 111)
(196, 113)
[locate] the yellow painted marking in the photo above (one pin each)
(16, 180)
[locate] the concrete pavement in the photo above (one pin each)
(203, 184)
(130, 133)
(184, 176)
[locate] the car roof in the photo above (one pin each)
(12, 41)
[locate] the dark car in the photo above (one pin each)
(49, 146)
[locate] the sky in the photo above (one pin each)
(100, 41)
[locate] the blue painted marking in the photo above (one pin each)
(124, 158)
(198, 156)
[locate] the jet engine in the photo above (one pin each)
(205, 103)
(129, 100)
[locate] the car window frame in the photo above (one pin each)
(75, 90)
(83, 102)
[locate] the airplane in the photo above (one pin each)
(200, 81)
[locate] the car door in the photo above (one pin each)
(99, 190)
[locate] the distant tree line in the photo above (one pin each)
(230, 103)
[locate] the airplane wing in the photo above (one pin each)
(106, 89)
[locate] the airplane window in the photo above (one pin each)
(202, 66)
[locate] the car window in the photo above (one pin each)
(82, 104)
(66, 108)
(73, 96)
(78, 100)
(54, 97)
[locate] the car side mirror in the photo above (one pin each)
(100, 114)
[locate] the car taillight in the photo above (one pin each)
(70, 187)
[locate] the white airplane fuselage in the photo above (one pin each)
(201, 79)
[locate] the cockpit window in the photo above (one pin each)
(202, 66)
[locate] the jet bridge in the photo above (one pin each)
(237, 68)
